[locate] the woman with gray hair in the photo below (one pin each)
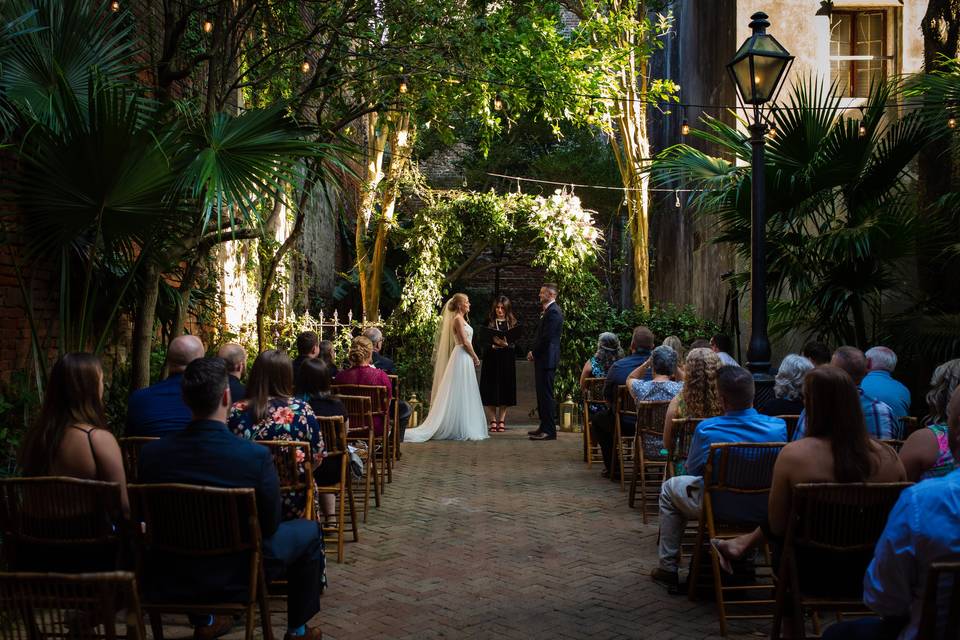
(662, 386)
(787, 397)
(608, 352)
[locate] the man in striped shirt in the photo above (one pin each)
(882, 423)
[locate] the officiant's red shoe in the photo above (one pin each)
(543, 436)
(493, 426)
(500, 427)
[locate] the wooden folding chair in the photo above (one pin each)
(60, 524)
(188, 523)
(294, 463)
(130, 450)
(360, 429)
(625, 407)
(62, 605)
(679, 445)
(379, 407)
(649, 462)
(908, 425)
(792, 422)
(395, 419)
(736, 480)
(941, 602)
(592, 393)
(839, 522)
(335, 439)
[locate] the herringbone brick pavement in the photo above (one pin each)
(505, 538)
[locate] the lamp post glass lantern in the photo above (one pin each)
(757, 71)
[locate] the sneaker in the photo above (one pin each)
(668, 579)
(220, 626)
(312, 633)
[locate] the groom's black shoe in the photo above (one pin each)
(535, 432)
(543, 436)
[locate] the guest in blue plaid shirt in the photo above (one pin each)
(882, 423)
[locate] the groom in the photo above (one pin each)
(545, 356)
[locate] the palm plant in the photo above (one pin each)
(841, 214)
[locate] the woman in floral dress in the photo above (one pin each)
(270, 412)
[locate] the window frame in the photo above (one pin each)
(886, 57)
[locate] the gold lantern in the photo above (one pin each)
(568, 412)
(414, 410)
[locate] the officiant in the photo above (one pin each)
(498, 371)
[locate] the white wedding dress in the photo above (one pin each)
(456, 411)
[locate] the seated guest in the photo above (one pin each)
(608, 352)
(787, 397)
(308, 346)
(662, 387)
(206, 453)
(699, 397)
(926, 453)
(363, 372)
(70, 436)
(158, 410)
(314, 388)
(722, 345)
(380, 361)
(881, 423)
(328, 355)
(271, 412)
(700, 343)
(817, 353)
(677, 345)
(836, 449)
(879, 383)
(603, 425)
(236, 357)
(385, 364)
(681, 496)
(921, 529)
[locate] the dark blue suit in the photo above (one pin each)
(546, 357)
(157, 410)
(206, 453)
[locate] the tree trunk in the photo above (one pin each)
(143, 328)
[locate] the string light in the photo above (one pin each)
(862, 130)
(951, 122)
(115, 6)
(207, 24)
(772, 131)
(306, 66)
(685, 128)
(498, 102)
(403, 88)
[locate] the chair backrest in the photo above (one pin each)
(334, 434)
(46, 605)
(294, 463)
(792, 422)
(737, 479)
(359, 411)
(592, 390)
(837, 524)
(58, 517)
(377, 394)
(626, 405)
(394, 384)
(941, 602)
(908, 424)
(197, 521)
(130, 449)
(651, 415)
(679, 448)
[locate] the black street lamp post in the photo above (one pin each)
(757, 70)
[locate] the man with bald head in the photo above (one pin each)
(236, 358)
(159, 409)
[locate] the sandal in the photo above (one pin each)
(493, 426)
(500, 427)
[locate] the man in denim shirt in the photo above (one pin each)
(681, 497)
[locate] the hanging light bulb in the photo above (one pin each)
(115, 6)
(952, 122)
(207, 25)
(685, 128)
(862, 130)
(306, 66)
(498, 102)
(772, 124)
(403, 88)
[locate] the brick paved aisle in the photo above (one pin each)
(504, 538)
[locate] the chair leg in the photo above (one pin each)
(587, 457)
(632, 498)
(264, 605)
(718, 590)
(351, 504)
(156, 625)
(366, 484)
(695, 562)
(341, 515)
(376, 484)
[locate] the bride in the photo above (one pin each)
(456, 411)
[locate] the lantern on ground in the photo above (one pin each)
(568, 412)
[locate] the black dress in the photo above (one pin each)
(498, 373)
(327, 406)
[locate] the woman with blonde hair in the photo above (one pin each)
(456, 409)
(926, 453)
(699, 397)
(362, 371)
